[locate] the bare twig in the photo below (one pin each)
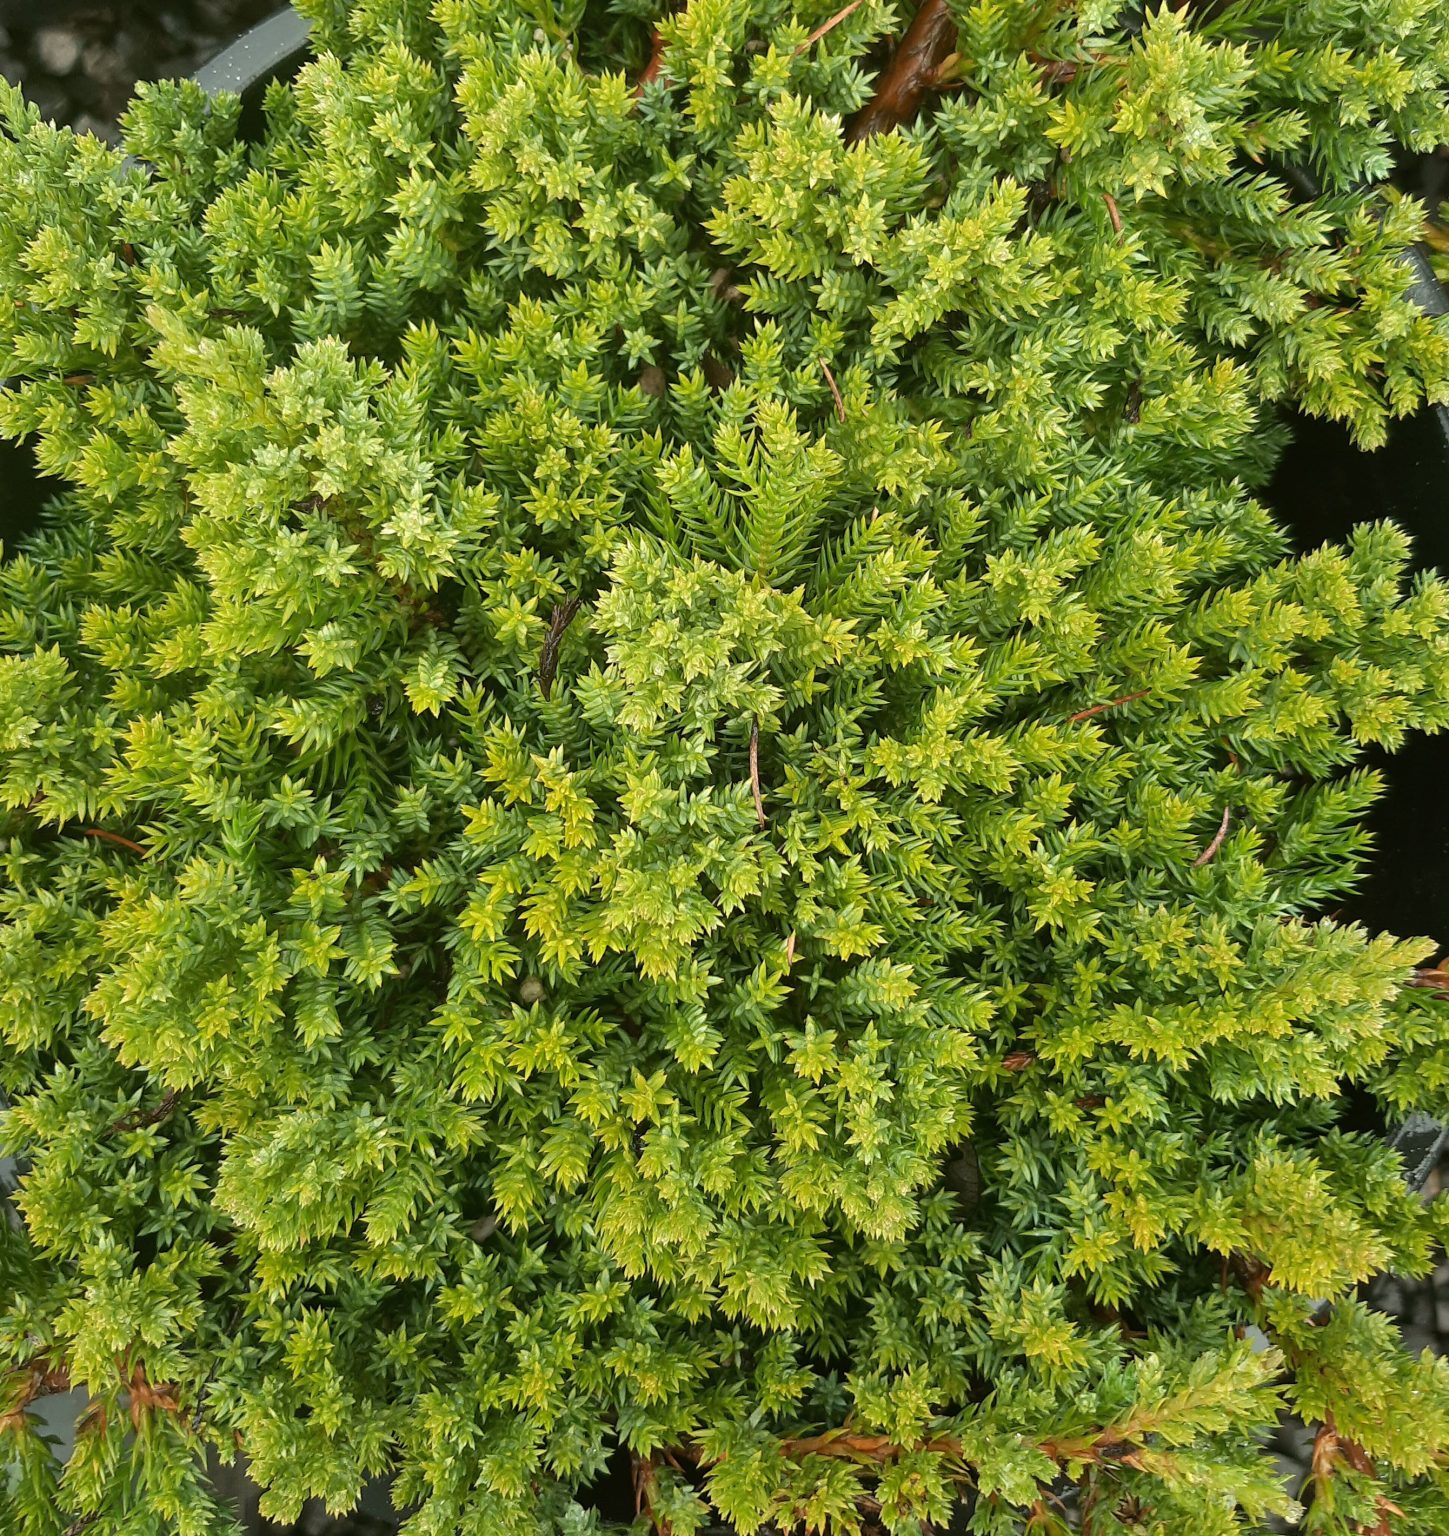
(755, 771)
(1112, 212)
(138, 1118)
(1018, 1061)
(834, 390)
(1097, 709)
(790, 950)
(1208, 853)
(114, 837)
(827, 26)
(562, 617)
(929, 39)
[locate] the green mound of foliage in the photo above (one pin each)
(664, 797)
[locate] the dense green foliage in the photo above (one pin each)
(565, 888)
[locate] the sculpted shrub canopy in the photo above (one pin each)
(664, 798)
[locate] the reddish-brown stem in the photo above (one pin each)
(1112, 1446)
(755, 771)
(1325, 1449)
(1097, 709)
(646, 1482)
(827, 26)
(1112, 212)
(114, 837)
(1018, 1061)
(656, 58)
(1210, 852)
(929, 39)
(1330, 1450)
(146, 1396)
(834, 390)
(856, 1447)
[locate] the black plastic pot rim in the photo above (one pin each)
(259, 54)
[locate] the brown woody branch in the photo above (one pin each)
(869, 1449)
(1251, 1273)
(42, 1380)
(1108, 1446)
(928, 42)
(657, 45)
(45, 1380)
(646, 1487)
(1331, 1451)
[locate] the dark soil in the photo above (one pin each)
(79, 62)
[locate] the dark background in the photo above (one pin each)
(78, 62)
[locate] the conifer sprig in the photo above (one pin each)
(665, 800)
